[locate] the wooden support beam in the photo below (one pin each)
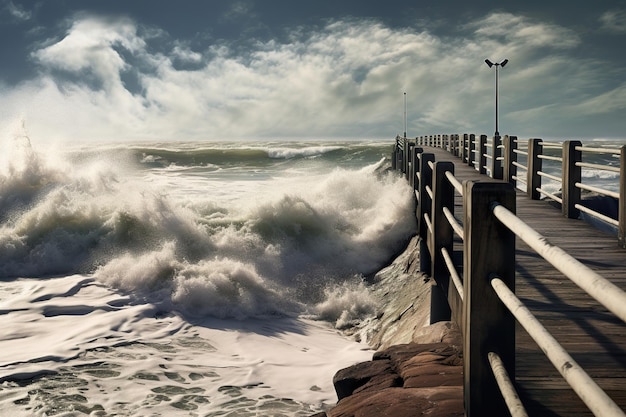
(571, 174)
(489, 250)
(442, 237)
(533, 179)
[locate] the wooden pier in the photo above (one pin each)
(594, 336)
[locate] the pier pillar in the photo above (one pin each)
(415, 165)
(571, 174)
(471, 153)
(482, 158)
(464, 147)
(441, 237)
(409, 155)
(510, 170)
(621, 233)
(424, 207)
(489, 250)
(496, 158)
(533, 179)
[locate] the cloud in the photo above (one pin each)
(17, 12)
(345, 79)
(614, 21)
(240, 9)
(90, 48)
(516, 29)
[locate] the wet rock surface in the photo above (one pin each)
(418, 368)
(402, 380)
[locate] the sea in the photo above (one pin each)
(192, 278)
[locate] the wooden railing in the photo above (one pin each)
(558, 164)
(481, 298)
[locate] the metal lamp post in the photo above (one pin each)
(405, 114)
(496, 64)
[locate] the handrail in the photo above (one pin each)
(588, 391)
(597, 190)
(597, 166)
(549, 194)
(604, 291)
(613, 151)
(458, 229)
(458, 284)
(550, 176)
(551, 145)
(506, 386)
(551, 158)
(597, 215)
(455, 183)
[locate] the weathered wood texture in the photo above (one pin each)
(594, 337)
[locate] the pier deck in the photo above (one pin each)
(595, 338)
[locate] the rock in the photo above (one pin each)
(418, 369)
(403, 380)
(402, 402)
(443, 332)
(404, 294)
(367, 375)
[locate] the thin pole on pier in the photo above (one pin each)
(405, 114)
(496, 64)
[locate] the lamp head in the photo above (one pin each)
(504, 63)
(489, 63)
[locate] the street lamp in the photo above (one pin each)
(405, 114)
(496, 64)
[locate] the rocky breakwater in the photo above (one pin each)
(417, 368)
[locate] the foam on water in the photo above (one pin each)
(130, 287)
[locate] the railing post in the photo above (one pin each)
(510, 170)
(415, 165)
(621, 234)
(441, 237)
(405, 156)
(471, 154)
(453, 144)
(571, 174)
(533, 179)
(424, 207)
(496, 162)
(394, 155)
(464, 145)
(482, 158)
(409, 160)
(489, 250)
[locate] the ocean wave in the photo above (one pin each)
(274, 249)
(309, 151)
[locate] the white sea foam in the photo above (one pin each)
(99, 352)
(128, 287)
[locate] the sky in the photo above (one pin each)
(81, 70)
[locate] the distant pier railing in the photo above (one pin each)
(481, 298)
(543, 169)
